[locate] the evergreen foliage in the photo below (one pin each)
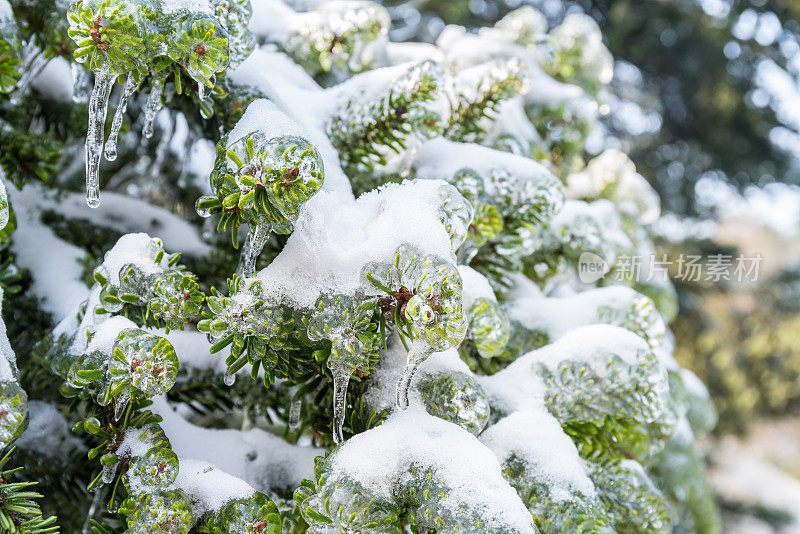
(422, 358)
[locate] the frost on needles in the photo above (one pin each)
(332, 286)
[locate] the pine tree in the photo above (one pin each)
(399, 341)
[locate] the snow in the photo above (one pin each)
(474, 286)
(551, 457)
(517, 387)
(557, 316)
(104, 335)
(48, 433)
(441, 159)
(332, 241)
(55, 81)
(264, 116)
(208, 487)
(271, 20)
(263, 460)
(136, 249)
(380, 460)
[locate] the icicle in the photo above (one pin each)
(341, 379)
(80, 83)
(98, 106)
(253, 245)
(201, 91)
(415, 358)
(153, 105)
(127, 91)
(294, 413)
(229, 379)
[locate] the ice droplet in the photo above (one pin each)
(253, 245)
(229, 379)
(98, 106)
(201, 210)
(153, 105)
(341, 379)
(201, 91)
(111, 143)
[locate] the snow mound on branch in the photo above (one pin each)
(551, 457)
(333, 240)
(380, 458)
(518, 387)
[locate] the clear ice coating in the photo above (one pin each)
(4, 206)
(253, 245)
(155, 470)
(341, 379)
(153, 105)
(229, 379)
(347, 323)
(295, 410)
(422, 296)
(98, 107)
(80, 83)
(127, 90)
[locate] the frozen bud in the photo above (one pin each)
(163, 512)
(154, 471)
(455, 397)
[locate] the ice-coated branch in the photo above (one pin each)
(421, 297)
(265, 171)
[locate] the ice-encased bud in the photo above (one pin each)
(264, 180)
(456, 214)
(578, 53)
(525, 26)
(337, 37)
(425, 294)
(110, 34)
(13, 411)
(633, 503)
(342, 505)
(155, 471)
(198, 44)
(235, 16)
(612, 175)
(150, 360)
(421, 294)
(9, 50)
(252, 515)
(489, 328)
(347, 323)
(163, 512)
(455, 397)
(138, 277)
